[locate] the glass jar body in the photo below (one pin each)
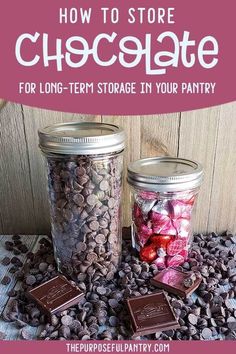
(162, 225)
(85, 208)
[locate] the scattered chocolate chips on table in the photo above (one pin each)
(208, 314)
(6, 261)
(5, 280)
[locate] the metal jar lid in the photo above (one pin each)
(165, 174)
(87, 138)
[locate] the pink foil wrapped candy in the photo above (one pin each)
(175, 261)
(137, 215)
(160, 262)
(146, 205)
(144, 233)
(176, 246)
(183, 227)
(179, 209)
(184, 254)
(161, 207)
(162, 224)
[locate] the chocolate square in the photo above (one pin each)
(56, 295)
(172, 280)
(150, 314)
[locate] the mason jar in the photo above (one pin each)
(163, 194)
(84, 169)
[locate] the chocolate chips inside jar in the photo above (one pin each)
(84, 165)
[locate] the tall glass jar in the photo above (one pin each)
(84, 168)
(163, 194)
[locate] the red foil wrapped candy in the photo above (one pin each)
(148, 253)
(161, 241)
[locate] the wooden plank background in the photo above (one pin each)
(207, 135)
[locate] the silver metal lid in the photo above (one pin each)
(81, 138)
(165, 174)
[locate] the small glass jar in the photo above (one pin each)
(163, 194)
(84, 169)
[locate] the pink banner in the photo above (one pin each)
(62, 347)
(118, 57)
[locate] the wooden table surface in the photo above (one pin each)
(10, 330)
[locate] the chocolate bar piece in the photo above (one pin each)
(150, 314)
(56, 295)
(177, 282)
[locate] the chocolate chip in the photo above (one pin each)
(188, 282)
(100, 239)
(43, 266)
(114, 321)
(80, 171)
(23, 249)
(101, 290)
(64, 331)
(16, 261)
(66, 320)
(78, 199)
(25, 334)
(113, 226)
(104, 185)
(111, 203)
(113, 303)
(16, 237)
(229, 304)
(5, 280)
(192, 319)
(16, 252)
(9, 243)
(92, 199)
(94, 225)
(6, 261)
(12, 293)
(18, 243)
(30, 280)
(92, 257)
(81, 246)
(231, 323)
(206, 333)
(112, 238)
(103, 223)
(20, 324)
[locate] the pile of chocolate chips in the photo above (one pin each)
(209, 314)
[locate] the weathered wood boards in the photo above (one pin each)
(207, 136)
